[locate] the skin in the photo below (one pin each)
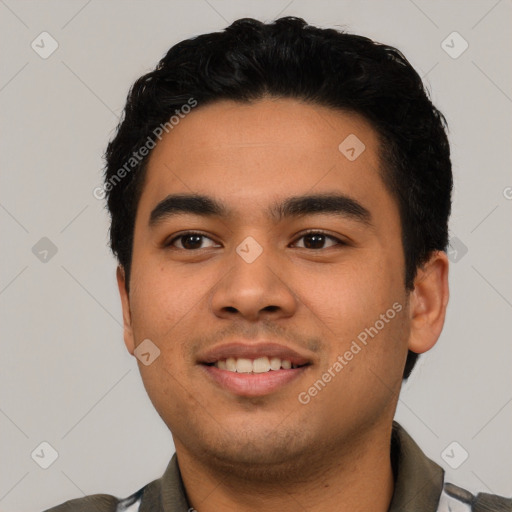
(274, 453)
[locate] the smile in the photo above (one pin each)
(260, 365)
(253, 378)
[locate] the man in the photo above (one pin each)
(279, 196)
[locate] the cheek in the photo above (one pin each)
(161, 300)
(360, 307)
(164, 305)
(349, 295)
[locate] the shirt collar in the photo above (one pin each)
(418, 480)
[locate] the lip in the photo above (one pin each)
(253, 384)
(253, 351)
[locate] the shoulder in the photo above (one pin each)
(101, 503)
(454, 498)
(166, 491)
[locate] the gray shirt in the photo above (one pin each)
(419, 487)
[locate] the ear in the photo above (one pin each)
(127, 316)
(428, 302)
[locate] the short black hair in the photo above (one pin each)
(288, 58)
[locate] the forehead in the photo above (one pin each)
(248, 154)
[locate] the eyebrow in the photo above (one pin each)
(296, 206)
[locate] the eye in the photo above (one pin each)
(190, 241)
(316, 239)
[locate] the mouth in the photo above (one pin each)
(263, 364)
(253, 370)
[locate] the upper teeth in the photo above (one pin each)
(260, 365)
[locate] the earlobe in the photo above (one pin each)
(428, 303)
(125, 303)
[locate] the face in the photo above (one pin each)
(313, 289)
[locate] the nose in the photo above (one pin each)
(254, 290)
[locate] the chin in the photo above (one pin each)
(263, 455)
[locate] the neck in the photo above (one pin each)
(356, 480)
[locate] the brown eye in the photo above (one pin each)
(317, 239)
(189, 241)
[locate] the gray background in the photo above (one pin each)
(66, 377)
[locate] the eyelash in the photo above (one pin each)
(169, 244)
